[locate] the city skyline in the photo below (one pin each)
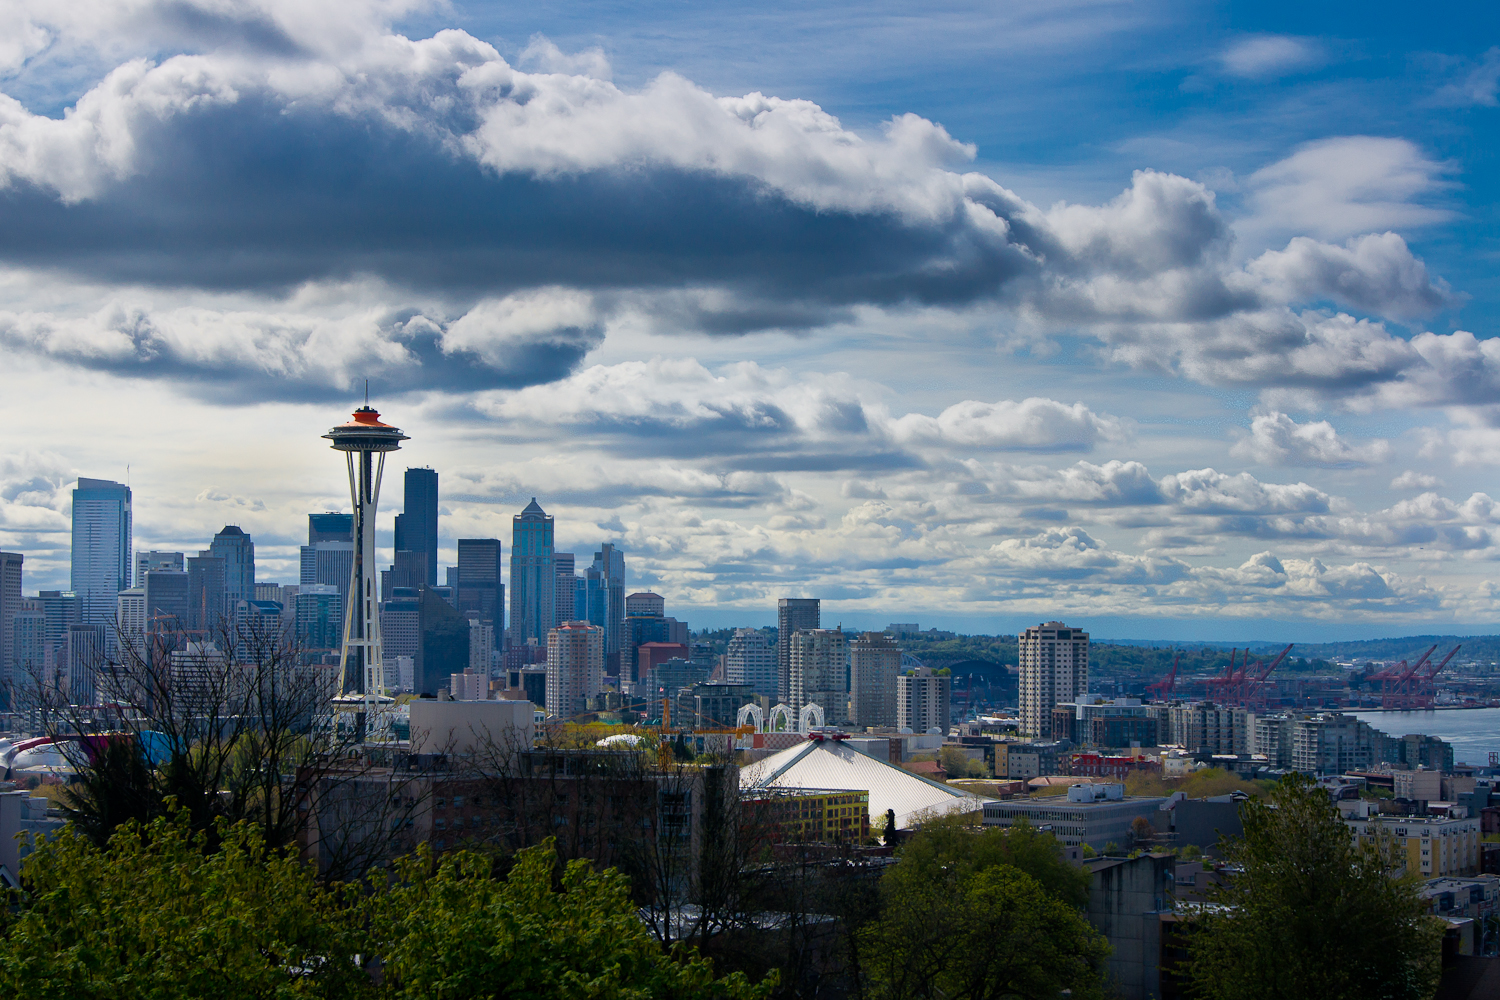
(1208, 361)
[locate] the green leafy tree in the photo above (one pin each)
(990, 934)
(952, 847)
(153, 915)
(1313, 913)
(450, 930)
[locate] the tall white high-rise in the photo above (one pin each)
(101, 549)
(751, 659)
(922, 700)
(575, 667)
(131, 616)
(792, 614)
(820, 662)
(1054, 669)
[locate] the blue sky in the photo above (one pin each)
(1175, 319)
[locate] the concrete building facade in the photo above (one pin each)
(575, 667)
(793, 614)
(923, 696)
(1054, 666)
(819, 671)
(751, 660)
(1096, 815)
(874, 663)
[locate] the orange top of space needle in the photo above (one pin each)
(365, 432)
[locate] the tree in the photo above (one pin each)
(1311, 912)
(157, 914)
(451, 931)
(995, 933)
(951, 847)
(232, 726)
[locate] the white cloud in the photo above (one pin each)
(691, 401)
(1270, 55)
(1343, 186)
(1410, 480)
(1031, 424)
(1277, 439)
(1374, 273)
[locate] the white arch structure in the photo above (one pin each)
(755, 716)
(811, 718)
(782, 715)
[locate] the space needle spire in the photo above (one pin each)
(364, 440)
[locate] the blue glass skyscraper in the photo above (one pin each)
(533, 577)
(101, 548)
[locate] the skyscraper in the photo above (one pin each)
(168, 601)
(130, 617)
(575, 667)
(330, 527)
(533, 576)
(237, 550)
(146, 561)
(444, 644)
(319, 617)
(750, 660)
(1054, 668)
(566, 583)
(10, 606)
(609, 561)
(819, 673)
(417, 524)
(874, 662)
(206, 605)
(101, 548)
(792, 614)
(481, 576)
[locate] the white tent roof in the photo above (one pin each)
(832, 764)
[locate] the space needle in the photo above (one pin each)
(364, 440)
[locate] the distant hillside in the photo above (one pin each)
(1475, 647)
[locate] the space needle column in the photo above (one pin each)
(364, 440)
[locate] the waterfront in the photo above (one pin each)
(1474, 732)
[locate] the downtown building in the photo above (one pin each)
(793, 614)
(101, 557)
(819, 673)
(1054, 669)
(533, 577)
(923, 697)
(575, 667)
(751, 660)
(874, 665)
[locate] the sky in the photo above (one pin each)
(1173, 321)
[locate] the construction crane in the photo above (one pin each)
(1163, 689)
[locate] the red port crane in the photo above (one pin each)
(1163, 689)
(1254, 691)
(1395, 683)
(1218, 685)
(1423, 690)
